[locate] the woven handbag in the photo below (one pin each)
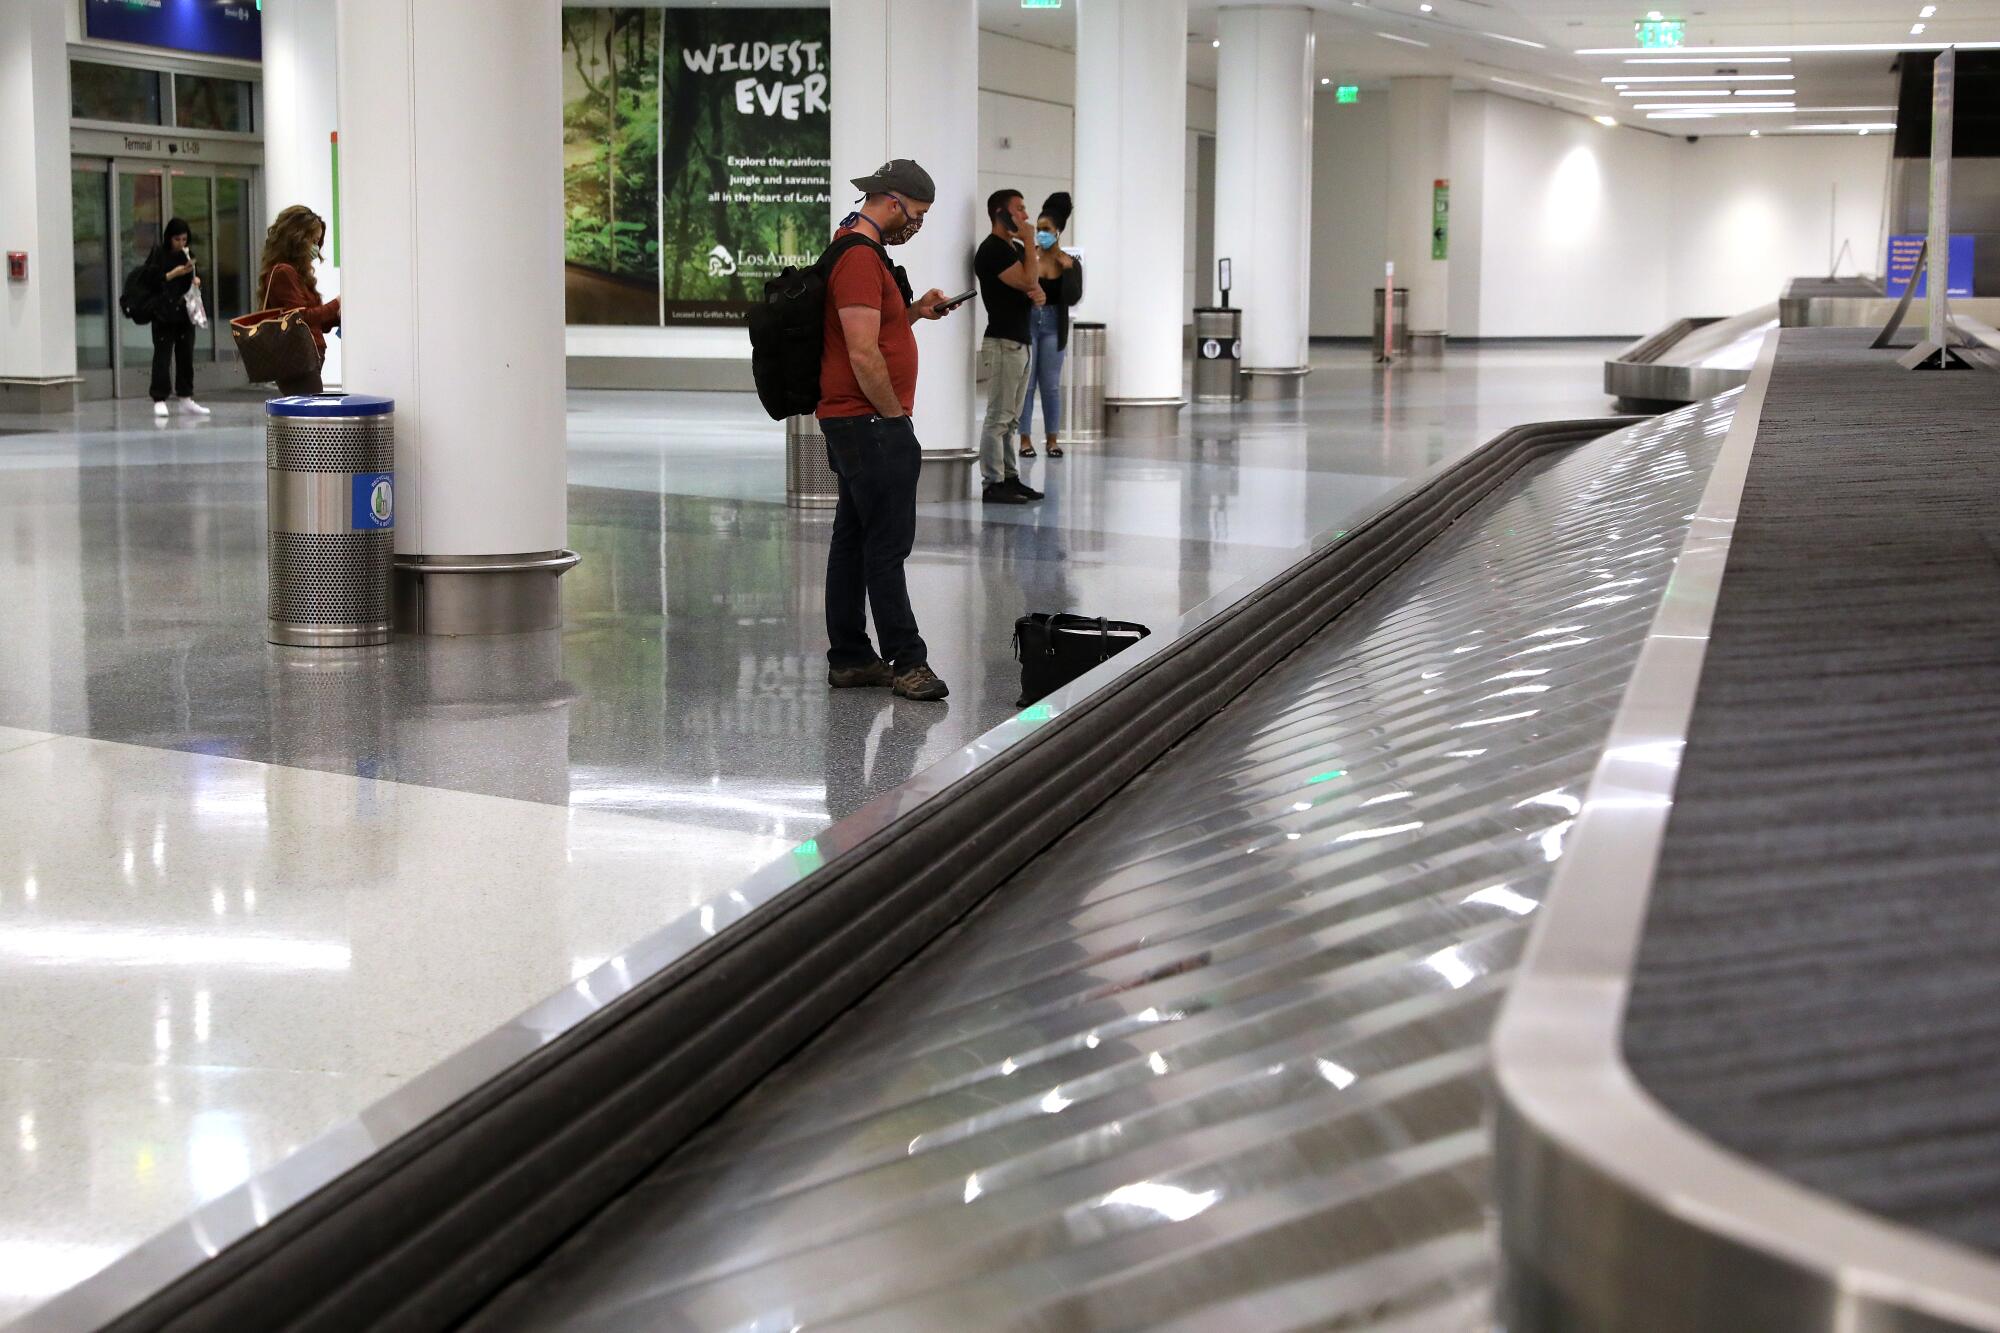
(274, 344)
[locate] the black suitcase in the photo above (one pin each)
(1055, 649)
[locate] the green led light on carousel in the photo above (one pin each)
(1035, 715)
(806, 855)
(1328, 776)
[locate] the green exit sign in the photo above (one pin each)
(1347, 92)
(1659, 33)
(1041, 4)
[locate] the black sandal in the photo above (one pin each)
(1054, 449)
(1027, 447)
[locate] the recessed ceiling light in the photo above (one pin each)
(1425, 8)
(1815, 48)
(1704, 60)
(1216, 43)
(1681, 92)
(1324, 82)
(1518, 41)
(1710, 109)
(1609, 122)
(1926, 11)
(1864, 133)
(1406, 41)
(1916, 30)
(1698, 78)
(1756, 134)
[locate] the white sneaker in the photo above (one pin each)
(192, 408)
(160, 411)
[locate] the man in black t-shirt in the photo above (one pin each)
(1009, 287)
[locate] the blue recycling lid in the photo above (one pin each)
(329, 405)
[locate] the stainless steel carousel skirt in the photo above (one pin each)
(1216, 1058)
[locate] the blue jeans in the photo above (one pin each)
(1045, 362)
(874, 529)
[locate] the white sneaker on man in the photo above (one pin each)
(192, 408)
(160, 411)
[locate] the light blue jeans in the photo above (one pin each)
(1045, 362)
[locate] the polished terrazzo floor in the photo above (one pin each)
(245, 891)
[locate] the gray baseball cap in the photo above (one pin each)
(901, 176)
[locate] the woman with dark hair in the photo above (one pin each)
(285, 276)
(1061, 275)
(171, 269)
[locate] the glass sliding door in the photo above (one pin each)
(139, 196)
(232, 269)
(96, 293)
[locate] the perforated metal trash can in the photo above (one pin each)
(1083, 385)
(330, 482)
(1218, 355)
(809, 479)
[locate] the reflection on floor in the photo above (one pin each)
(246, 890)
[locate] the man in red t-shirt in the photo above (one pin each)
(867, 386)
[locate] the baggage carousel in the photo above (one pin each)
(1688, 360)
(1171, 1003)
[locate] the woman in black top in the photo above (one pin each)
(1048, 324)
(172, 269)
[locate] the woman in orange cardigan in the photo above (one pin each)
(291, 247)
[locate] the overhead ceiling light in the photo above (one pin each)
(1710, 109)
(1840, 110)
(1704, 60)
(1817, 48)
(1406, 41)
(1926, 11)
(1762, 92)
(1756, 134)
(1916, 30)
(1518, 41)
(1324, 82)
(1698, 78)
(1608, 122)
(1537, 88)
(1676, 92)
(1217, 43)
(1856, 128)
(1424, 8)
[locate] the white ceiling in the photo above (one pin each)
(1464, 41)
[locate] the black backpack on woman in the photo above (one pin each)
(139, 299)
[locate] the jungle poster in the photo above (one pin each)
(696, 158)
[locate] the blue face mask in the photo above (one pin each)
(1046, 239)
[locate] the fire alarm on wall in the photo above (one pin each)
(17, 266)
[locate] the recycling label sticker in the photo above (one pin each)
(374, 501)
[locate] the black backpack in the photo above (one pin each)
(788, 331)
(138, 301)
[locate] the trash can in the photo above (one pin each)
(1083, 385)
(1218, 355)
(330, 485)
(809, 479)
(1402, 331)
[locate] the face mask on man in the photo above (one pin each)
(1045, 239)
(911, 226)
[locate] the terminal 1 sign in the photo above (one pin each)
(696, 158)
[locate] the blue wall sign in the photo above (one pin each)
(1903, 251)
(231, 28)
(374, 501)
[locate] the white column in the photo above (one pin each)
(1263, 174)
(906, 84)
(451, 164)
(301, 116)
(1419, 158)
(38, 315)
(1131, 168)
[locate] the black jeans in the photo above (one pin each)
(176, 344)
(874, 528)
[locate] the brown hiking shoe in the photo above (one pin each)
(920, 682)
(877, 673)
